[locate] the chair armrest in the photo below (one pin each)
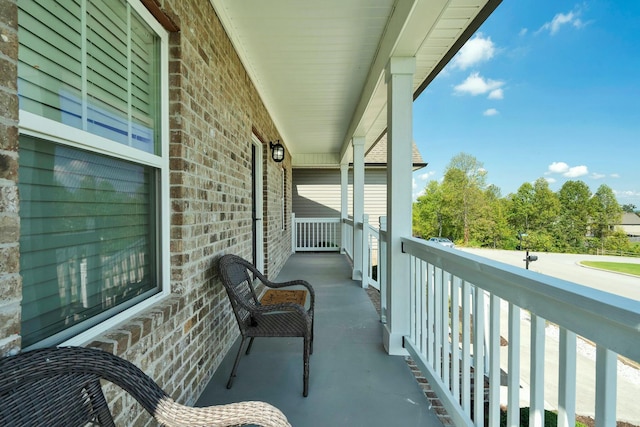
(172, 414)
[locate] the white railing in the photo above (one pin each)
(382, 267)
(347, 242)
(616, 253)
(320, 234)
(316, 234)
(461, 306)
(372, 239)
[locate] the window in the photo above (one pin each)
(92, 165)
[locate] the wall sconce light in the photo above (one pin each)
(277, 151)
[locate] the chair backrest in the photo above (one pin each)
(61, 387)
(237, 277)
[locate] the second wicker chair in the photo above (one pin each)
(257, 320)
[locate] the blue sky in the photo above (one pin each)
(544, 89)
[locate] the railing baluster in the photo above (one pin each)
(413, 299)
(513, 399)
(446, 340)
(382, 269)
(606, 383)
(536, 380)
(478, 356)
(494, 362)
(437, 359)
(306, 242)
(567, 379)
(422, 288)
(455, 336)
(466, 347)
(314, 235)
(431, 274)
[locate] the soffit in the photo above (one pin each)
(319, 65)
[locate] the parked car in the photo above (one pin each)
(442, 241)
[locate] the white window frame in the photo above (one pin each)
(47, 129)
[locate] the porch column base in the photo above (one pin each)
(393, 343)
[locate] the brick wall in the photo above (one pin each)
(10, 284)
(214, 110)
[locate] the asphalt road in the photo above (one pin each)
(566, 267)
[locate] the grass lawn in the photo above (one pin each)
(618, 267)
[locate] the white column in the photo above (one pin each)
(399, 78)
(358, 205)
(365, 251)
(294, 233)
(382, 268)
(344, 203)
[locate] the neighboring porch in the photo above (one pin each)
(353, 381)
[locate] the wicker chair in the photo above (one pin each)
(61, 387)
(257, 320)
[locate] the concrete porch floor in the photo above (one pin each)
(352, 381)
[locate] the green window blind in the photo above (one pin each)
(93, 65)
(87, 238)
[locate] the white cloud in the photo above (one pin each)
(561, 19)
(496, 94)
(523, 32)
(475, 51)
(491, 112)
(566, 170)
(550, 180)
(558, 167)
(626, 194)
(475, 85)
(615, 175)
(596, 175)
(576, 171)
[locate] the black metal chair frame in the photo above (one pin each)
(61, 387)
(257, 320)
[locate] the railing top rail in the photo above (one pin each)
(299, 220)
(587, 311)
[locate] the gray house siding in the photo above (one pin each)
(316, 193)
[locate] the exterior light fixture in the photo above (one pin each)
(277, 151)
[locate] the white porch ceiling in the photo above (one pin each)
(319, 65)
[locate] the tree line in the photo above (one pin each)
(465, 209)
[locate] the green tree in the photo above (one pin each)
(617, 241)
(521, 208)
(629, 208)
(492, 228)
(606, 212)
(546, 207)
(427, 212)
(463, 185)
(571, 228)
